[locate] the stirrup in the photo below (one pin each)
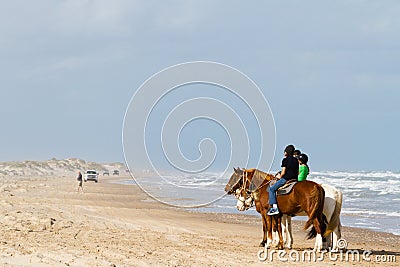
(273, 211)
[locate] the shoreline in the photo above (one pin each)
(347, 217)
(47, 223)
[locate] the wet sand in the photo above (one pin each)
(45, 222)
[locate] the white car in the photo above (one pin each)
(91, 175)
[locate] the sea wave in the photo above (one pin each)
(371, 196)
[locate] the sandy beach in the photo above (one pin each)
(45, 222)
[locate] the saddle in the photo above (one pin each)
(286, 188)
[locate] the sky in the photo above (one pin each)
(329, 70)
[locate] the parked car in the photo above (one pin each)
(116, 172)
(91, 175)
(106, 173)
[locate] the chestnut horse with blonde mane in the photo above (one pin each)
(250, 186)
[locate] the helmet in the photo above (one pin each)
(303, 158)
(290, 149)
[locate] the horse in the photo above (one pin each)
(332, 209)
(307, 196)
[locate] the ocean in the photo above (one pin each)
(370, 199)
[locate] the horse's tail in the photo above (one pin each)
(335, 219)
(316, 212)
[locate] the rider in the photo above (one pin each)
(296, 153)
(303, 168)
(290, 170)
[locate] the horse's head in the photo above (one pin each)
(235, 182)
(238, 185)
(245, 184)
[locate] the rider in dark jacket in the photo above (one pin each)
(290, 170)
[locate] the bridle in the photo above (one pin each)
(249, 197)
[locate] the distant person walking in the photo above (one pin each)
(80, 180)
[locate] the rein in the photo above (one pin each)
(243, 189)
(265, 184)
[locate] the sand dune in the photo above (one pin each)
(55, 167)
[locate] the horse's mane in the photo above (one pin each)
(259, 173)
(258, 178)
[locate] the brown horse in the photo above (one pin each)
(251, 186)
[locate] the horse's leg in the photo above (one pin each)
(275, 234)
(264, 222)
(279, 224)
(328, 243)
(336, 235)
(287, 231)
(284, 229)
(275, 237)
(269, 230)
(334, 239)
(320, 229)
(325, 239)
(318, 243)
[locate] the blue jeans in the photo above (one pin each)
(272, 189)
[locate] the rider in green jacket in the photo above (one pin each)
(303, 167)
